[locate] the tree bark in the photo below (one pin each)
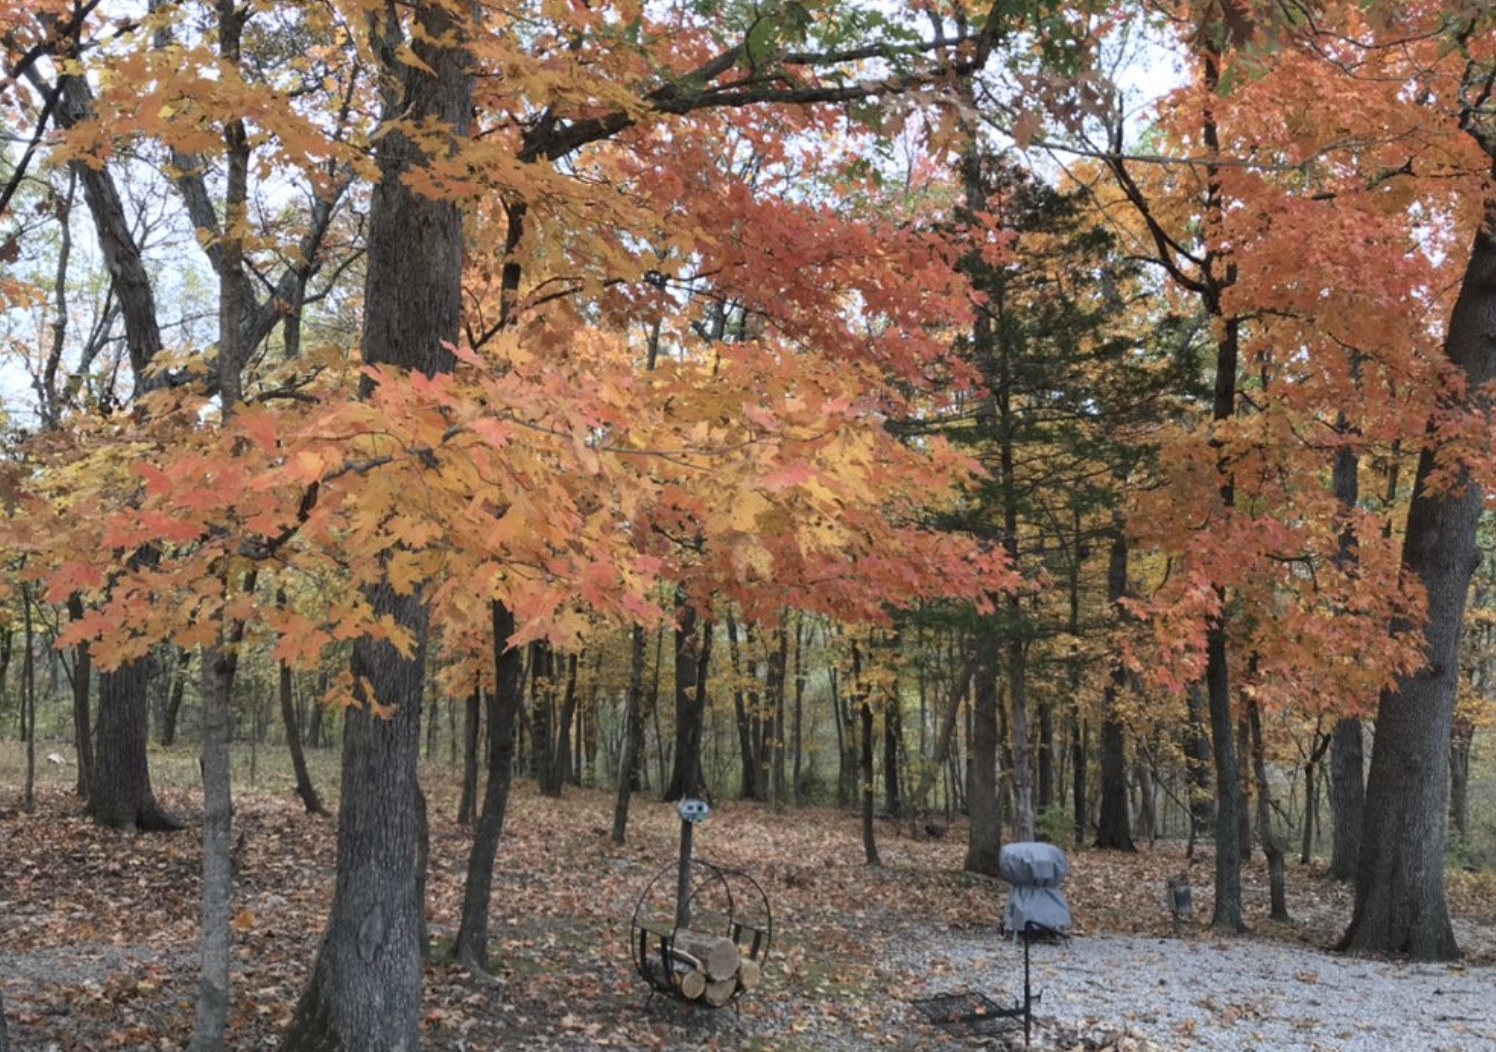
(1311, 792)
(747, 747)
(1459, 777)
(1400, 898)
(864, 703)
(472, 714)
(1197, 764)
(566, 762)
(120, 794)
(82, 718)
(221, 660)
(1272, 845)
(304, 787)
(542, 716)
(629, 762)
(692, 656)
(364, 994)
(503, 704)
(984, 838)
(1114, 823)
(218, 668)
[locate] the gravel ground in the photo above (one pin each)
(1237, 995)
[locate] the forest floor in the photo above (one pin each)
(98, 929)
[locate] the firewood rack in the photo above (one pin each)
(722, 906)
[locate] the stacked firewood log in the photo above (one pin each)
(709, 968)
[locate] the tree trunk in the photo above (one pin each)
(1113, 823)
(633, 736)
(218, 668)
(166, 734)
(1080, 749)
(28, 698)
(82, 687)
(893, 733)
(864, 702)
(692, 656)
(1227, 915)
(365, 987)
(471, 716)
(747, 752)
(1272, 846)
(4, 1038)
(1046, 788)
(1460, 741)
(778, 670)
(364, 994)
(120, 794)
(565, 763)
(984, 838)
(1400, 898)
(1311, 792)
(1197, 764)
(543, 688)
(304, 787)
(471, 945)
(797, 719)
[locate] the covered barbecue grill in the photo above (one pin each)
(1035, 872)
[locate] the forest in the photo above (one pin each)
(1012, 421)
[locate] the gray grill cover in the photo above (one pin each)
(1035, 871)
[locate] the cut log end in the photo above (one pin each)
(719, 957)
(750, 974)
(693, 985)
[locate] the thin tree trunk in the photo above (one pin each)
(542, 716)
(747, 753)
(633, 736)
(304, 787)
(893, 743)
(28, 698)
(863, 700)
(564, 763)
(1311, 792)
(503, 704)
(1272, 846)
(1460, 742)
(166, 734)
(472, 715)
(797, 725)
(1114, 823)
(1197, 765)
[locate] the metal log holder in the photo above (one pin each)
(717, 901)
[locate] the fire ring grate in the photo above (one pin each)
(970, 1014)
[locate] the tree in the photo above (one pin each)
(1400, 899)
(364, 990)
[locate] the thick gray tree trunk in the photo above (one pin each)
(364, 994)
(1400, 900)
